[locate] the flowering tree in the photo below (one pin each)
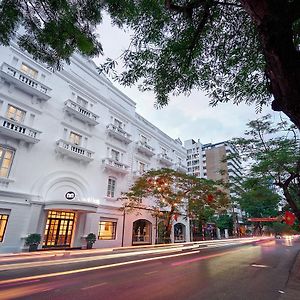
(172, 194)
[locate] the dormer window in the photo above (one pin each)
(16, 114)
(82, 102)
(118, 123)
(143, 139)
(29, 71)
(75, 138)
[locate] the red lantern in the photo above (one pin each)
(289, 218)
(210, 198)
(175, 217)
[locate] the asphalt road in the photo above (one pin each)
(253, 271)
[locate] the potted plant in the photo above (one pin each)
(33, 240)
(90, 240)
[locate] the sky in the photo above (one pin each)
(186, 117)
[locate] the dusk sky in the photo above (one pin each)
(185, 117)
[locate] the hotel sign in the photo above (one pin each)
(70, 195)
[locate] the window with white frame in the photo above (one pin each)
(111, 187)
(29, 71)
(75, 138)
(118, 123)
(81, 101)
(115, 155)
(6, 158)
(143, 139)
(141, 167)
(163, 151)
(107, 230)
(15, 114)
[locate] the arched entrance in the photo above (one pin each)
(141, 232)
(179, 233)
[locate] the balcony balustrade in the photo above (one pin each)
(74, 151)
(81, 113)
(13, 129)
(165, 159)
(116, 166)
(24, 82)
(146, 149)
(118, 133)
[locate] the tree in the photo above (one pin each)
(258, 199)
(273, 153)
(235, 50)
(170, 193)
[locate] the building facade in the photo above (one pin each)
(70, 144)
(217, 162)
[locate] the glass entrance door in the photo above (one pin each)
(59, 229)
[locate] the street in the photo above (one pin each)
(241, 269)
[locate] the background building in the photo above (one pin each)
(217, 162)
(70, 144)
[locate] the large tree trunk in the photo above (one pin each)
(274, 22)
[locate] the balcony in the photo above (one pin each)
(118, 133)
(180, 168)
(18, 131)
(116, 166)
(74, 151)
(165, 159)
(24, 82)
(81, 113)
(144, 148)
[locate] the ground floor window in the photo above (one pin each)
(141, 233)
(3, 223)
(107, 230)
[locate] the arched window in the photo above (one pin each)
(141, 232)
(179, 232)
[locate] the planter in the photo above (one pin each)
(33, 247)
(89, 246)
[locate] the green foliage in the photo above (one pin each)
(206, 45)
(52, 30)
(224, 221)
(272, 151)
(171, 193)
(90, 238)
(33, 239)
(258, 199)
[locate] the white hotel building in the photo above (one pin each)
(70, 143)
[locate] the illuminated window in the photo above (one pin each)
(3, 223)
(6, 158)
(111, 186)
(29, 71)
(75, 138)
(107, 230)
(15, 114)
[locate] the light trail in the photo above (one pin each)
(181, 247)
(24, 279)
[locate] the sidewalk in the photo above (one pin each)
(292, 290)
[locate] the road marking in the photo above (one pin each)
(93, 286)
(149, 273)
(260, 266)
(15, 280)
